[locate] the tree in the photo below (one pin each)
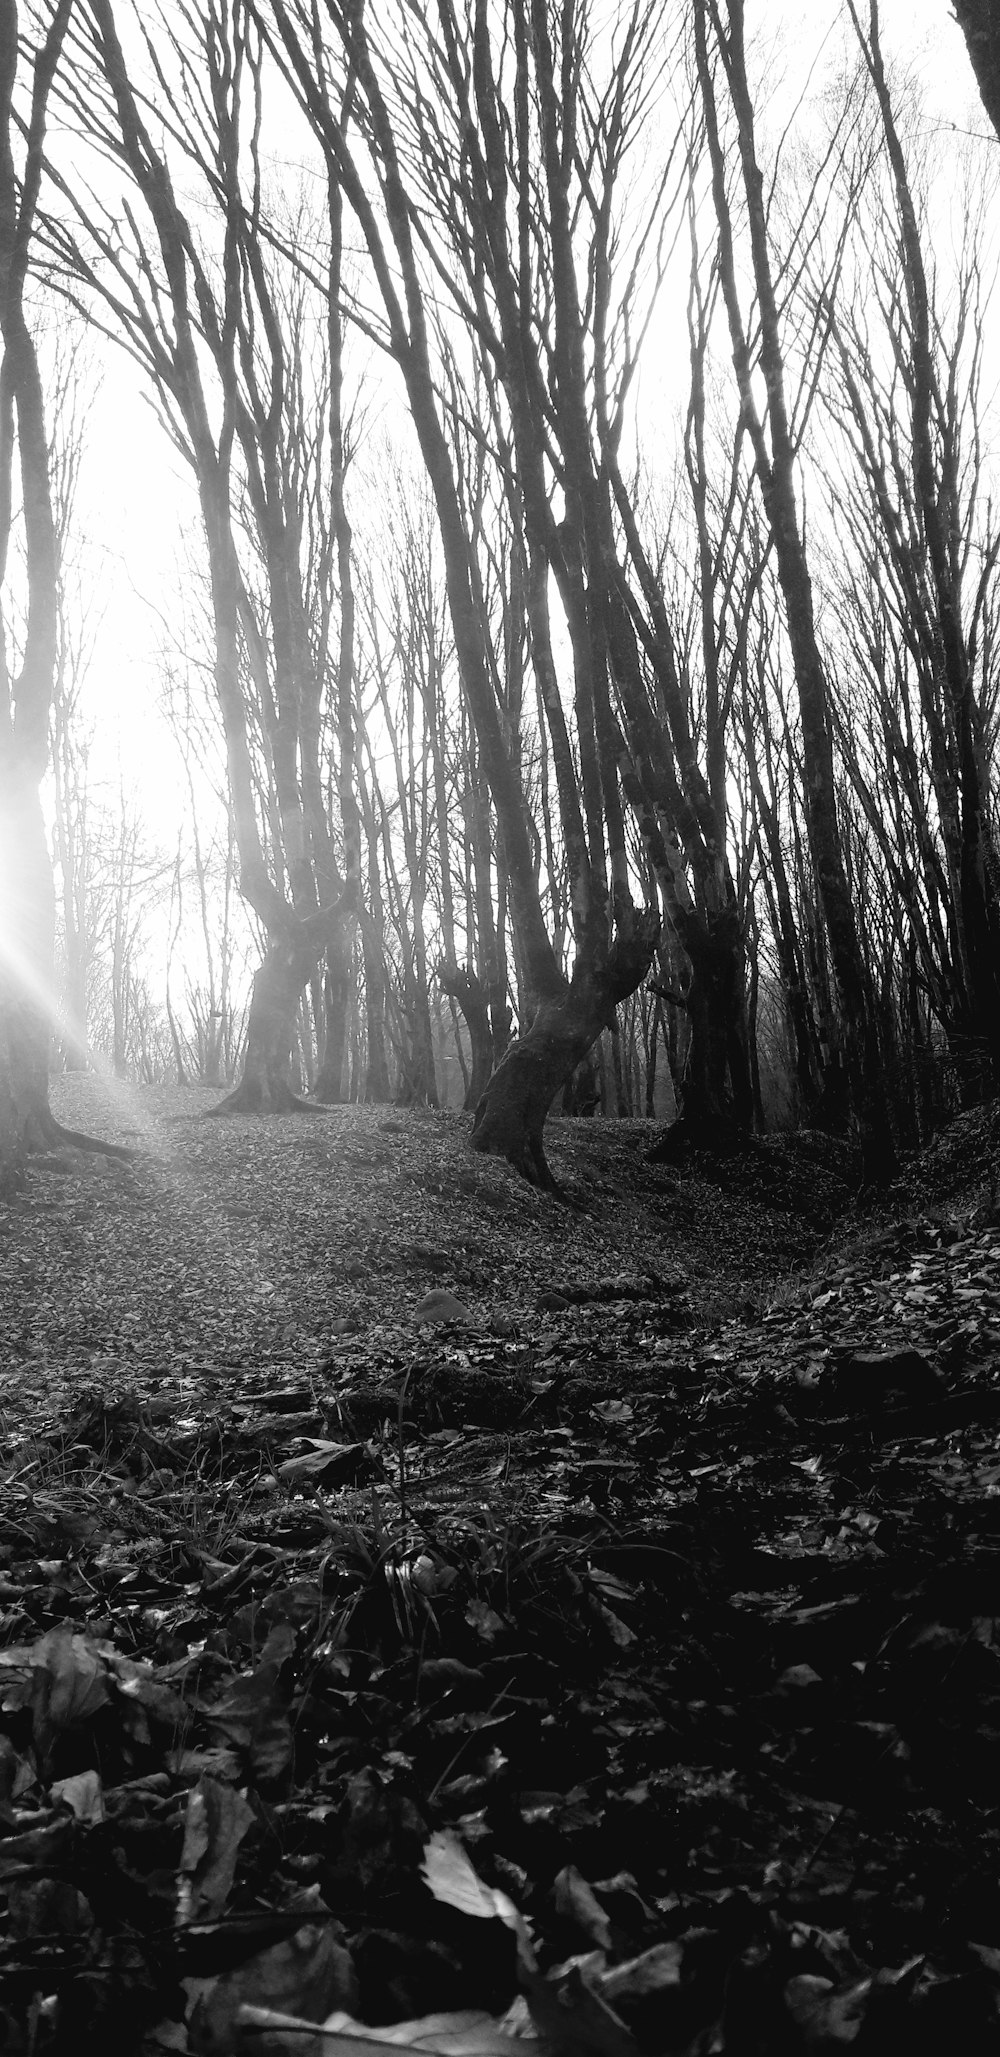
(935, 472)
(206, 322)
(720, 50)
(26, 686)
(980, 25)
(613, 942)
(527, 223)
(909, 573)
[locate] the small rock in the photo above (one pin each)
(797, 1678)
(440, 1306)
(871, 1376)
(284, 1400)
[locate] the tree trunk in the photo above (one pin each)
(618, 1073)
(24, 1105)
(289, 962)
(27, 902)
(373, 960)
(581, 1094)
(501, 1018)
(337, 989)
(510, 1118)
(266, 1087)
(776, 473)
(980, 26)
(11, 1132)
(714, 1078)
(376, 1063)
(471, 998)
(177, 1047)
(417, 1084)
(27, 898)
(651, 1038)
(716, 1089)
(979, 864)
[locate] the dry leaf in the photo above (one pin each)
(83, 1793)
(575, 1902)
(217, 1821)
(468, 2033)
(309, 1971)
(452, 1878)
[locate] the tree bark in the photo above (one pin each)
(266, 1087)
(417, 1081)
(511, 1115)
(472, 1000)
(338, 986)
(376, 1062)
(716, 1087)
(26, 924)
(11, 1132)
(980, 25)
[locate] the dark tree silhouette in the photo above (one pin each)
(979, 21)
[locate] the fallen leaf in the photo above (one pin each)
(469, 2033)
(309, 1971)
(576, 1902)
(453, 1879)
(82, 1793)
(216, 1823)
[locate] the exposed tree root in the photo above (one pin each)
(526, 1156)
(49, 1134)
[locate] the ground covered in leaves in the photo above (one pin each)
(449, 1616)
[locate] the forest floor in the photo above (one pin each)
(426, 1604)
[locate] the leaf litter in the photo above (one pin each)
(612, 1664)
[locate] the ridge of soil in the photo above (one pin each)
(357, 1493)
(241, 1242)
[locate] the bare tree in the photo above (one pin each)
(775, 436)
(896, 730)
(72, 383)
(26, 885)
(205, 325)
(612, 954)
(932, 562)
(556, 340)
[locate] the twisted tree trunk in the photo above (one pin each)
(471, 999)
(511, 1115)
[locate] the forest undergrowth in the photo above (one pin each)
(447, 1615)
